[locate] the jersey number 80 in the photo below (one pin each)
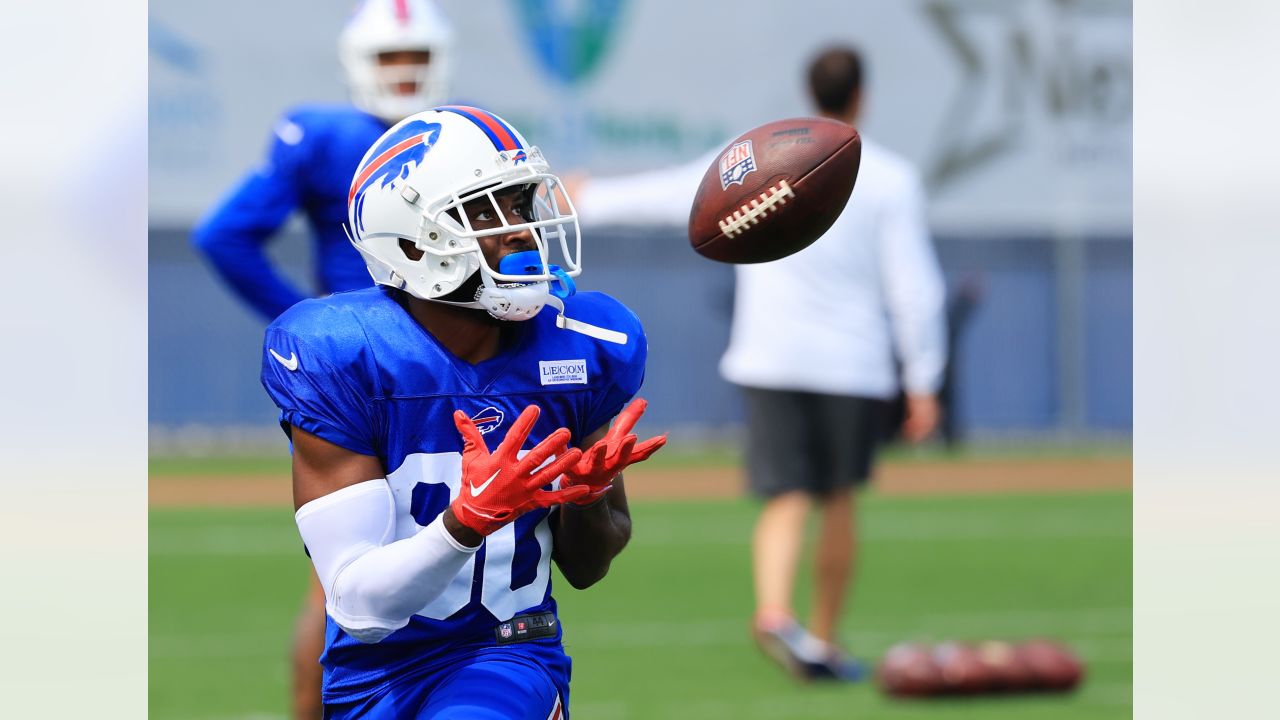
(424, 485)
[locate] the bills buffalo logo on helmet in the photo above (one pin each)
(393, 158)
(488, 420)
(736, 163)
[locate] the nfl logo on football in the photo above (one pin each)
(735, 163)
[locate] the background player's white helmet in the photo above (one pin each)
(413, 184)
(380, 26)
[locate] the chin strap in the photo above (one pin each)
(530, 263)
(598, 333)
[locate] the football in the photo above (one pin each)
(1004, 669)
(1052, 665)
(774, 190)
(909, 670)
(961, 667)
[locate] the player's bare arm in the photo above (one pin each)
(590, 532)
(587, 538)
(321, 468)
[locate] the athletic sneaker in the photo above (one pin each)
(839, 665)
(792, 647)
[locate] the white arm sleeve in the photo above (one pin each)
(914, 288)
(656, 197)
(372, 586)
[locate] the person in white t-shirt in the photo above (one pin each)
(816, 343)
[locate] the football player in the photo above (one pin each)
(451, 433)
(395, 55)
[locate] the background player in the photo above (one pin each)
(395, 54)
(433, 550)
(812, 346)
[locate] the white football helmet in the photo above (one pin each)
(379, 26)
(412, 185)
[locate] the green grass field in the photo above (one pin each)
(664, 636)
(675, 455)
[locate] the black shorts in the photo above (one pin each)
(809, 441)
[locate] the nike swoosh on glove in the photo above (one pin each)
(602, 462)
(499, 487)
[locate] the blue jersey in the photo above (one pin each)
(358, 371)
(313, 154)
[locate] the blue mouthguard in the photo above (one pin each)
(529, 262)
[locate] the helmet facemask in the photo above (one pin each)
(453, 226)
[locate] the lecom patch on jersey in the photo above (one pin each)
(563, 372)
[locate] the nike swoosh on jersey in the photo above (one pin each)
(291, 363)
(475, 491)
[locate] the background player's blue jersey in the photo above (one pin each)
(314, 152)
(358, 371)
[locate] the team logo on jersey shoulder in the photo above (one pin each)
(488, 419)
(563, 372)
(736, 163)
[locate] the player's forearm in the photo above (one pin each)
(241, 262)
(464, 535)
(379, 591)
(373, 585)
(588, 539)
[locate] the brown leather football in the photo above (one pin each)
(1004, 669)
(1053, 666)
(775, 190)
(962, 669)
(908, 670)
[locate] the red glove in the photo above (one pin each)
(600, 464)
(498, 488)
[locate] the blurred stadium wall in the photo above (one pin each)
(1019, 113)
